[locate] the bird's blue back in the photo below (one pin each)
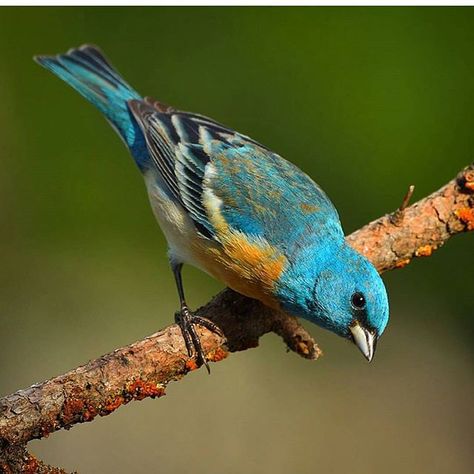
(267, 196)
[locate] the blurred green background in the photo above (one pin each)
(367, 101)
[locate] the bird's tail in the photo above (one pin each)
(88, 71)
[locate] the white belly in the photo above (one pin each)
(177, 226)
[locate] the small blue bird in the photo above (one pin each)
(236, 210)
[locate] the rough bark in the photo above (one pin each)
(395, 239)
(143, 369)
(15, 459)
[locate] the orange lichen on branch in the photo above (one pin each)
(75, 408)
(72, 408)
(113, 405)
(191, 365)
(31, 465)
(217, 355)
(141, 389)
(47, 427)
(402, 263)
(89, 413)
(138, 390)
(424, 251)
(16, 459)
(466, 216)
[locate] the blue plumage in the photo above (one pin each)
(234, 208)
(267, 196)
(88, 71)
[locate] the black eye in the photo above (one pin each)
(358, 301)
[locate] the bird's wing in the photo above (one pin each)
(210, 169)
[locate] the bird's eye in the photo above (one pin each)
(358, 301)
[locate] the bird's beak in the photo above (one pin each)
(364, 339)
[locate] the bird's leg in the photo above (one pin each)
(186, 320)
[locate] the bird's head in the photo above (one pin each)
(339, 290)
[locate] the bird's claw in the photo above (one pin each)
(186, 320)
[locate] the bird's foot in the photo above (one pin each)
(187, 320)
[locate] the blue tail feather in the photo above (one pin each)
(87, 70)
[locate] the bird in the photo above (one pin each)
(236, 210)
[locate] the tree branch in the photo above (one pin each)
(416, 231)
(143, 369)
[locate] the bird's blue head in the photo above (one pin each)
(337, 289)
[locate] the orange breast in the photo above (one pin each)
(251, 268)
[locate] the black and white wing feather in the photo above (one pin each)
(176, 143)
